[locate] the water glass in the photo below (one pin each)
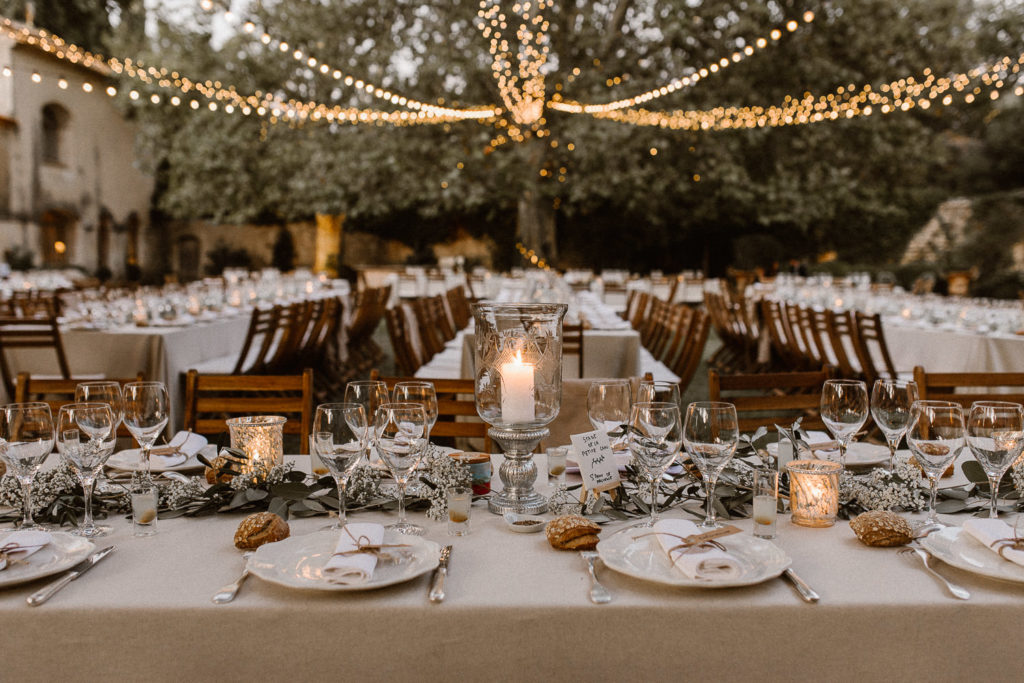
(844, 410)
(936, 437)
(657, 390)
(26, 438)
(459, 498)
(711, 434)
(766, 501)
(146, 411)
(655, 439)
(400, 433)
(608, 407)
(995, 434)
(339, 439)
(890, 407)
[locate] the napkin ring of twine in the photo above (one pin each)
(1001, 545)
(688, 545)
(382, 551)
(9, 549)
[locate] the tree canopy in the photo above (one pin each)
(661, 198)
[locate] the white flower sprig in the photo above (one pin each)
(880, 490)
(443, 472)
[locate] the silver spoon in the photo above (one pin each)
(228, 592)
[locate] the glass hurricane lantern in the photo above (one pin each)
(518, 375)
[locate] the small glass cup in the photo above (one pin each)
(766, 502)
(144, 504)
(556, 465)
(459, 500)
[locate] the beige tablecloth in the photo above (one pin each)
(516, 610)
(940, 350)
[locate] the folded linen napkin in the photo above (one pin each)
(348, 567)
(990, 532)
(183, 446)
(18, 545)
(705, 565)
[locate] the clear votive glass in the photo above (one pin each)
(556, 465)
(144, 504)
(459, 500)
(766, 502)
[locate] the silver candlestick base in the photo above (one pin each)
(518, 472)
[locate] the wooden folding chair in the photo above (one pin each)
(772, 398)
(407, 358)
(839, 328)
(869, 343)
(456, 408)
(572, 343)
(693, 349)
(211, 399)
(967, 387)
(29, 333)
(258, 340)
(57, 393)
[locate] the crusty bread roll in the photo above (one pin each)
(881, 528)
(260, 528)
(572, 532)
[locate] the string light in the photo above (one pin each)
(532, 257)
(683, 82)
(449, 113)
(517, 65)
(846, 102)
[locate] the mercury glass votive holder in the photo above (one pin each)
(814, 492)
(261, 438)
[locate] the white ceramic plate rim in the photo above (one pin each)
(858, 454)
(64, 552)
(743, 546)
(956, 547)
(126, 461)
(275, 562)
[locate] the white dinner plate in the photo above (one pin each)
(857, 455)
(298, 562)
(956, 547)
(128, 461)
(644, 558)
(64, 552)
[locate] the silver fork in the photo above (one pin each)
(955, 590)
(599, 595)
(228, 592)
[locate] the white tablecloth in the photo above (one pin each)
(516, 610)
(939, 350)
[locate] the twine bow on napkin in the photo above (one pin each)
(381, 551)
(688, 544)
(997, 536)
(1001, 545)
(697, 555)
(22, 543)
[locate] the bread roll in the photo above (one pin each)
(260, 528)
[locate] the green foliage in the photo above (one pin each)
(857, 186)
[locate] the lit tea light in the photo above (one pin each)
(261, 438)
(814, 492)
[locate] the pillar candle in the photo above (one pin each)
(517, 392)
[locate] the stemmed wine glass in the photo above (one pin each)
(936, 437)
(86, 458)
(608, 407)
(657, 390)
(711, 434)
(418, 392)
(890, 407)
(844, 410)
(995, 433)
(370, 394)
(400, 433)
(145, 415)
(103, 392)
(339, 436)
(655, 439)
(28, 430)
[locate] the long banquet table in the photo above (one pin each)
(516, 610)
(953, 350)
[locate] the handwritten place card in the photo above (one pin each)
(597, 464)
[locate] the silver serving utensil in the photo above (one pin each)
(805, 591)
(50, 589)
(955, 590)
(228, 592)
(599, 595)
(440, 574)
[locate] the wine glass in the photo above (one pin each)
(145, 415)
(655, 439)
(339, 436)
(371, 394)
(28, 430)
(890, 407)
(935, 437)
(711, 434)
(418, 392)
(103, 392)
(844, 410)
(86, 458)
(400, 433)
(995, 433)
(608, 407)
(657, 390)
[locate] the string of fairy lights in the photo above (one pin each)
(518, 70)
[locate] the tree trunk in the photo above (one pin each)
(535, 219)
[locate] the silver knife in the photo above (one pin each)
(437, 581)
(48, 591)
(805, 591)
